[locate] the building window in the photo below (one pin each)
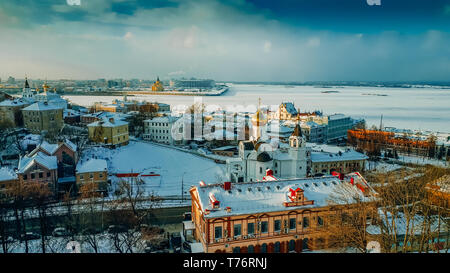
(319, 221)
(264, 248)
(25, 177)
(250, 228)
(237, 230)
(264, 227)
(277, 225)
(292, 223)
(260, 169)
(33, 176)
(218, 232)
(48, 174)
(81, 176)
(91, 175)
(41, 175)
(305, 222)
(251, 249)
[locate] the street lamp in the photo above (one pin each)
(182, 186)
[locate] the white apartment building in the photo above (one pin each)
(159, 129)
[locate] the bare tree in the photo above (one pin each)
(351, 213)
(89, 212)
(39, 195)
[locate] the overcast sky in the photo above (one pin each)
(253, 40)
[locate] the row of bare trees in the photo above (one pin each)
(84, 218)
(404, 215)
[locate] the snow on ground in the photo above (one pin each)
(423, 160)
(174, 166)
(382, 166)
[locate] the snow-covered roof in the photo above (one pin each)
(169, 119)
(52, 148)
(49, 162)
(71, 113)
(107, 123)
(336, 116)
(42, 106)
(71, 145)
(221, 135)
(7, 174)
(14, 102)
(331, 157)
(106, 115)
(92, 165)
(290, 108)
(269, 196)
(197, 248)
(225, 148)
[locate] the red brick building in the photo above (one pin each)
(271, 216)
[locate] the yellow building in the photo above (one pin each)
(109, 132)
(92, 171)
(43, 116)
(157, 86)
(10, 112)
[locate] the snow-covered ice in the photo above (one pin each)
(172, 165)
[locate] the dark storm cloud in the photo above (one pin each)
(229, 40)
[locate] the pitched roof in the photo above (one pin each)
(108, 123)
(297, 131)
(92, 165)
(52, 148)
(7, 174)
(290, 108)
(269, 196)
(42, 106)
(332, 157)
(49, 162)
(14, 102)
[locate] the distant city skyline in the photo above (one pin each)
(233, 40)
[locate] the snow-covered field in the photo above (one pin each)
(174, 166)
(410, 108)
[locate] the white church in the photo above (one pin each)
(258, 154)
(294, 159)
(33, 95)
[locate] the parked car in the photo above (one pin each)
(60, 232)
(29, 236)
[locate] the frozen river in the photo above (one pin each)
(411, 108)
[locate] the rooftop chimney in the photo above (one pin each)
(227, 186)
(214, 202)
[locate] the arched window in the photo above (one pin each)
(291, 245)
(237, 250)
(277, 247)
(251, 249)
(264, 248)
(305, 244)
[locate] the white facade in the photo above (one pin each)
(256, 157)
(159, 129)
